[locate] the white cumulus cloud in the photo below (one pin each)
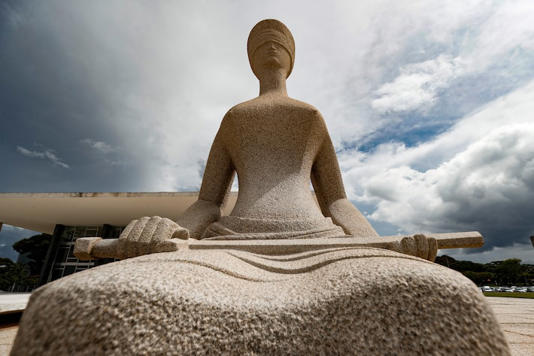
(503, 31)
(482, 185)
(418, 85)
(477, 175)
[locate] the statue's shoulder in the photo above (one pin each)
(309, 111)
(259, 106)
(235, 113)
(259, 103)
(303, 106)
(243, 108)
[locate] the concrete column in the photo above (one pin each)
(50, 258)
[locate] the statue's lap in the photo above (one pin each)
(234, 301)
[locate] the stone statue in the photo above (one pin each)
(222, 298)
(275, 144)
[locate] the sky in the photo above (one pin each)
(429, 103)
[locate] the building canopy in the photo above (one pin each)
(42, 211)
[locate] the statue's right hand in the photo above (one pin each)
(148, 235)
(420, 245)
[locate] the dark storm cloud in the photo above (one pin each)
(123, 100)
(55, 90)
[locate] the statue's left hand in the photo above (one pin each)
(419, 245)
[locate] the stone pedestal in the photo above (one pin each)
(364, 301)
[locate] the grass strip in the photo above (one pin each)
(528, 295)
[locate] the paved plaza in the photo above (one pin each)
(13, 302)
(515, 315)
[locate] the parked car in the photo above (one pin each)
(487, 289)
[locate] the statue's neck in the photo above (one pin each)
(273, 83)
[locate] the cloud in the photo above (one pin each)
(477, 175)
(418, 85)
(488, 184)
(47, 154)
(504, 30)
(100, 146)
(508, 29)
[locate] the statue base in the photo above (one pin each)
(367, 301)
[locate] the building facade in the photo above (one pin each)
(60, 260)
(69, 216)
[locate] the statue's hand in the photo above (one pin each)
(419, 245)
(148, 235)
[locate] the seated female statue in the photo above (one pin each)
(357, 300)
(276, 144)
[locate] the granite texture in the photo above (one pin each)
(339, 301)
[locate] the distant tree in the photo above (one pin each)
(480, 278)
(460, 265)
(20, 274)
(15, 276)
(35, 248)
(509, 271)
(6, 280)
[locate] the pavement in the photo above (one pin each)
(13, 302)
(11, 307)
(515, 315)
(7, 337)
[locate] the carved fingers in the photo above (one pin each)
(149, 235)
(421, 246)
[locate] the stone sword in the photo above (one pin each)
(87, 248)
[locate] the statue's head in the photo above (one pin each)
(271, 45)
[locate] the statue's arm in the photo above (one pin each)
(150, 234)
(330, 192)
(216, 183)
